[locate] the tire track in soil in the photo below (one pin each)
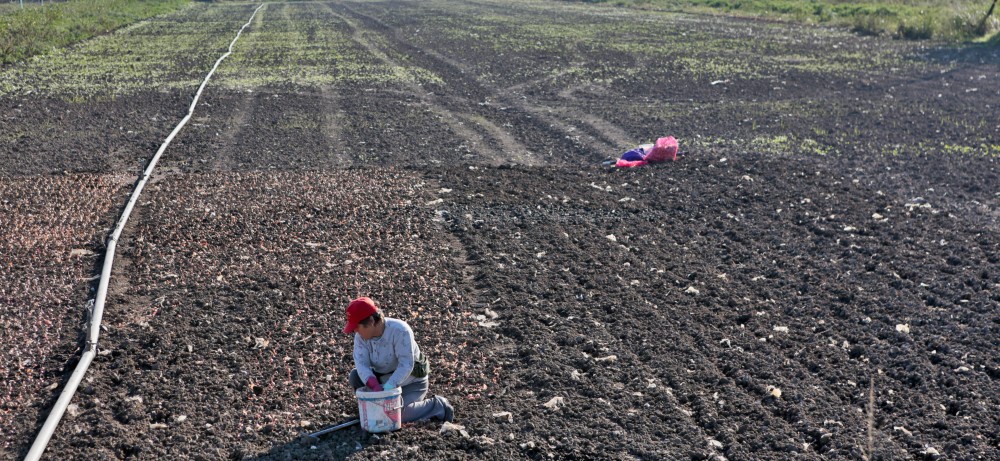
(597, 135)
(331, 116)
(223, 158)
(614, 137)
(332, 125)
(559, 135)
(128, 307)
(488, 141)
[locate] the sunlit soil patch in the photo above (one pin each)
(51, 236)
(236, 285)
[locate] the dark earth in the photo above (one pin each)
(818, 277)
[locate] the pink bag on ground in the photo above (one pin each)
(622, 163)
(664, 149)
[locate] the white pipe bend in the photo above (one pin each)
(94, 327)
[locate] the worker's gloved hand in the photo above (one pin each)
(373, 384)
(389, 386)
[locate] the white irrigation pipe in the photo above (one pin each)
(94, 327)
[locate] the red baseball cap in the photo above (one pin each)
(358, 310)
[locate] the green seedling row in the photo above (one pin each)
(927, 19)
(605, 48)
(285, 45)
(35, 30)
(170, 51)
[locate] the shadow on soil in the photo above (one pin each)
(333, 446)
(984, 53)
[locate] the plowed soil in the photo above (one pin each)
(818, 277)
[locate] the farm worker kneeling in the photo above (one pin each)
(386, 356)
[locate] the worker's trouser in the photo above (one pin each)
(415, 406)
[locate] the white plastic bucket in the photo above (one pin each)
(380, 411)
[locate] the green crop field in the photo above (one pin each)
(39, 28)
(950, 20)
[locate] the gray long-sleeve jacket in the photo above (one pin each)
(395, 350)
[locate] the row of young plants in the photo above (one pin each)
(173, 50)
(32, 31)
(297, 44)
(313, 45)
(28, 32)
(588, 45)
(938, 19)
